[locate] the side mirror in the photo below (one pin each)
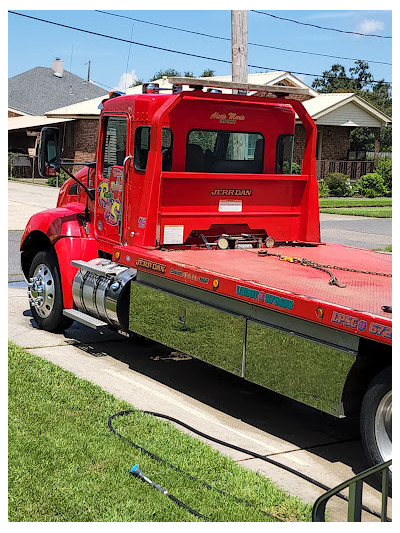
(49, 153)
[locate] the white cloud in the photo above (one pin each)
(370, 25)
(126, 80)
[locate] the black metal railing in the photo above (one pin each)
(355, 485)
(353, 169)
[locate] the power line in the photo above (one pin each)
(228, 39)
(120, 39)
(322, 27)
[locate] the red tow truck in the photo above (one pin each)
(190, 228)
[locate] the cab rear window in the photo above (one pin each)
(224, 151)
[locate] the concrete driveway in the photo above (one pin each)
(155, 378)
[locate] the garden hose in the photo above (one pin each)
(135, 471)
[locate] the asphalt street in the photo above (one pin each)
(361, 232)
(153, 377)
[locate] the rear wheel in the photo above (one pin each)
(376, 420)
(45, 293)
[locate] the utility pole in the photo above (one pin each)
(239, 46)
(239, 72)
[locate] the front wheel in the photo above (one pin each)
(376, 420)
(45, 293)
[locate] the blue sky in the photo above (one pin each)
(110, 59)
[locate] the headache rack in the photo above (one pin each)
(244, 88)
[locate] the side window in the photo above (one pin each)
(142, 147)
(284, 154)
(114, 147)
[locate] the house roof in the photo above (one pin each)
(90, 107)
(30, 121)
(355, 111)
(37, 90)
(323, 108)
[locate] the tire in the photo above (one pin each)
(376, 420)
(45, 293)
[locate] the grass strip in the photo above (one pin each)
(66, 466)
(375, 212)
(355, 202)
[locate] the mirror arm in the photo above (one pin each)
(89, 192)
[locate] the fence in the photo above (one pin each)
(354, 169)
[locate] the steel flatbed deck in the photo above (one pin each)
(288, 287)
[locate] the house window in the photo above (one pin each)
(284, 154)
(69, 135)
(114, 144)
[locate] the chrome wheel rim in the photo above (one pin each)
(41, 291)
(383, 426)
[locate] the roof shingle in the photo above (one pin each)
(37, 90)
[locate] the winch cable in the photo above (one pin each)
(227, 445)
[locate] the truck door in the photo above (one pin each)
(110, 178)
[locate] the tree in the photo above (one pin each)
(169, 72)
(360, 81)
(136, 82)
(207, 73)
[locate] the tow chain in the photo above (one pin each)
(323, 268)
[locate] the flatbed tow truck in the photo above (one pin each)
(190, 229)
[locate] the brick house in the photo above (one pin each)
(30, 95)
(335, 114)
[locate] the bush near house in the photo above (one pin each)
(52, 180)
(338, 184)
(384, 169)
(371, 185)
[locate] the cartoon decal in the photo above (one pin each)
(111, 205)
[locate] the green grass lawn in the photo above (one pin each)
(354, 202)
(363, 207)
(66, 466)
(375, 212)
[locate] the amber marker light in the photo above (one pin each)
(117, 255)
(215, 283)
(320, 312)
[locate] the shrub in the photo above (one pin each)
(372, 185)
(338, 184)
(384, 169)
(52, 180)
(296, 169)
(323, 189)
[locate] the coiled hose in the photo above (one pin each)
(136, 470)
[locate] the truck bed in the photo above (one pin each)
(365, 293)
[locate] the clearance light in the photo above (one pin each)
(320, 312)
(215, 283)
(117, 255)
